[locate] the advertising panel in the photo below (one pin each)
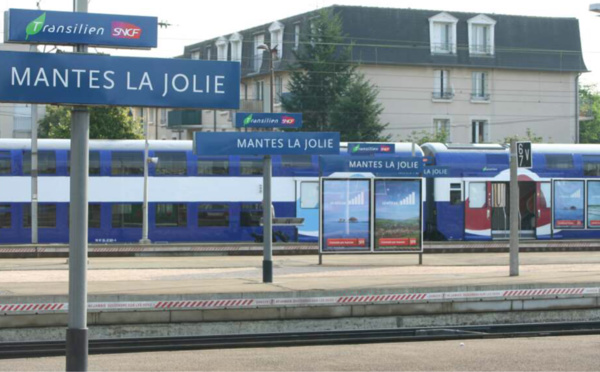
(346, 215)
(268, 120)
(87, 79)
(69, 28)
(569, 204)
(266, 143)
(593, 204)
(398, 215)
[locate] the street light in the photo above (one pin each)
(267, 169)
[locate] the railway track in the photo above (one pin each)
(12, 350)
(99, 250)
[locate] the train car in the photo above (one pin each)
(559, 197)
(191, 198)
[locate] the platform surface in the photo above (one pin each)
(243, 274)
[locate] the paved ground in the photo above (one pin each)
(235, 274)
(575, 353)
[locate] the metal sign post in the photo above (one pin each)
(514, 211)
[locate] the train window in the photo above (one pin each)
(569, 204)
(5, 216)
(296, 161)
(213, 215)
(93, 164)
(251, 214)
(593, 204)
(309, 195)
(213, 167)
(591, 165)
(46, 215)
(93, 216)
(127, 163)
(127, 215)
(455, 193)
(46, 162)
(5, 163)
(171, 215)
(171, 163)
(477, 194)
(560, 161)
(251, 167)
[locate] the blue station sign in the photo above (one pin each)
(87, 79)
(371, 148)
(386, 166)
(436, 171)
(268, 120)
(69, 28)
(266, 143)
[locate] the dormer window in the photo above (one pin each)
(236, 47)
(481, 35)
(222, 45)
(442, 33)
(276, 30)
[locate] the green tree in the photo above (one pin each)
(589, 107)
(326, 88)
(106, 122)
(529, 136)
(425, 136)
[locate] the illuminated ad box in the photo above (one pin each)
(398, 215)
(346, 215)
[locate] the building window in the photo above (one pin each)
(222, 45)
(259, 90)
(207, 54)
(195, 54)
(171, 163)
(278, 88)
(276, 30)
(480, 87)
(236, 47)
(5, 162)
(442, 128)
(296, 36)
(125, 163)
(5, 216)
(46, 216)
(479, 131)
(171, 215)
(163, 116)
(213, 215)
(46, 162)
(441, 87)
(213, 167)
(455, 194)
(442, 29)
(251, 167)
(251, 214)
(258, 53)
(127, 215)
(481, 35)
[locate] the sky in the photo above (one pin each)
(197, 20)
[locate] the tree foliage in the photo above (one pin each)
(425, 136)
(105, 123)
(589, 130)
(529, 136)
(326, 88)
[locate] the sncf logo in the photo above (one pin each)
(386, 149)
(287, 120)
(124, 30)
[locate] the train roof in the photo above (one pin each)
(432, 149)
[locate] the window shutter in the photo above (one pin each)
(437, 81)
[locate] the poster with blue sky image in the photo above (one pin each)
(397, 215)
(568, 204)
(593, 203)
(346, 215)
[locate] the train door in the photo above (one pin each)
(500, 210)
(544, 211)
(527, 212)
(478, 223)
(307, 207)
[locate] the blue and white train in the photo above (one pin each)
(218, 199)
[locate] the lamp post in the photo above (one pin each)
(267, 168)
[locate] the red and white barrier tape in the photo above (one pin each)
(240, 303)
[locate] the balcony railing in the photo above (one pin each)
(447, 95)
(442, 48)
(481, 49)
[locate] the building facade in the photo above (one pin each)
(477, 77)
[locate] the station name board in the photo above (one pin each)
(393, 165)
(87, 79)
(70, 28)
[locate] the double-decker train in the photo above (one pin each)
(218, 199)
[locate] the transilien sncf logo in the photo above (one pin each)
(35, 26)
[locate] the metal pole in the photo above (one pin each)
(214, 120)
(34, 174)
(267, 213)
(77, 332)
(145, 239)
(413, 151)
(514, 210)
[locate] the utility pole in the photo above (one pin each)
(77, 332)
(514, 210)
(145, 239)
